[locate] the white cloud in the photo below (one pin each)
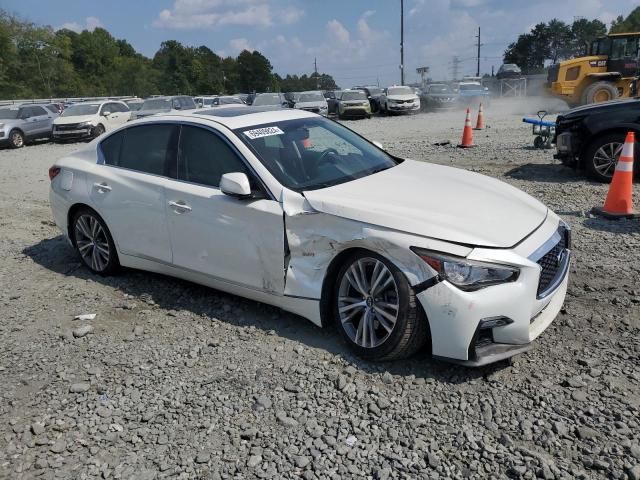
(291, 15)
(237, 45)
(337, 30)
(195, 14)
(90, 23)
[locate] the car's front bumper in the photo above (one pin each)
(75, 133)
(456, 318)
(404, 108)
(355, 111)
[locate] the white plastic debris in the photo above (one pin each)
(351, 440)
(85, 316)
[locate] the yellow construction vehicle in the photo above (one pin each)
(609, 71)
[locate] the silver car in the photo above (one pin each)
(155, 105)
(21, 123)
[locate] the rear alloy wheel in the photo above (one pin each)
(602, 156)
(376, 309)
(93, 242)
(600, 92)
(16, 139)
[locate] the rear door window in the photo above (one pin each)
(149, 148)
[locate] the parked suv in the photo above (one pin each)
(353, 104)
(153, 106)
(592, 136)
(90, 120)
(25, 122)
(373, 94)
(399, 99)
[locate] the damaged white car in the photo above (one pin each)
(295, 210)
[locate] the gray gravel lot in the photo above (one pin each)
(174, 380)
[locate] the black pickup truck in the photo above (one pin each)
(591, 137)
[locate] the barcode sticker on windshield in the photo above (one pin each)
(263, 132)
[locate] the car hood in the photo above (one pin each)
(74, 119)
(318, 104)
(601, 107)
(146, 113)
(436, 201)
(402, 97)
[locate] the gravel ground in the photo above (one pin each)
(175, 380)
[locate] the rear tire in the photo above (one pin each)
(16, 139)
(601, 156)
(94, 243)
(599, 92)
(376, 309)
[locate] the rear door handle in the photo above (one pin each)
(102, 187)
(180, 207)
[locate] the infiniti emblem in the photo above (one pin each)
(559, 258)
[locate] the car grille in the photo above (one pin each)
(67, 126)
(553, 264)
(403, 101)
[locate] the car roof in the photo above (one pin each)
(233, 118)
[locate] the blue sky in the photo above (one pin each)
(357, 41)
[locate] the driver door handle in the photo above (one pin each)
(180, 207)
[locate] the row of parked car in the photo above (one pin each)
(20, 124)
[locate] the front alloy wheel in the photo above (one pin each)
(94, 243)
(602, 156)
(16, 139)
(376, 309)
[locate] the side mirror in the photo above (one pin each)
(106, 113)
(235, 184)
(378, 144)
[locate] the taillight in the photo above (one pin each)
(53, 172)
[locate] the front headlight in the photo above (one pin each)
(467, 275)
(1, 125)
(85, 124)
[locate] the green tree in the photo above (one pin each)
(627, 25)
(583, 32)
(254, 72)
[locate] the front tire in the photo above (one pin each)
(98, 130)
(376, 309)
(16, 139)
(602, 155)
(600, 92)
(94, 243)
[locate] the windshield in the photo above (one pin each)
(267, 99)
(400, 91)
(157, 104)
(439, 89)
(470, 86)
(80, 110)
(312, 153)
(355, 95)
(311, 97)
(9, 113)
(375, 91)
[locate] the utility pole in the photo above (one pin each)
(315, 69)
(401, 42)
(478, 45)
(455, 66)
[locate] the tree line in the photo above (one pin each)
(556, 40)
(40, 62)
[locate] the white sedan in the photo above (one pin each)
(292, 209)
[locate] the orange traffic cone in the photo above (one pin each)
(480, 122)
(467, 133)
(619, 202)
